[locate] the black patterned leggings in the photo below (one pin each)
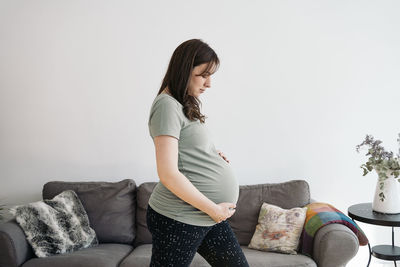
(175, 243)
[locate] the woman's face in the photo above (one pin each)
(199, 82)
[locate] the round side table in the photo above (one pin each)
(363, 212)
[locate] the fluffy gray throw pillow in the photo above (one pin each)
(56, 226)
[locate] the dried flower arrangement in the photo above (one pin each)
(380, 160)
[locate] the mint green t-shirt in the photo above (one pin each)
(198, 161)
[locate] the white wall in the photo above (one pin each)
(299, 86)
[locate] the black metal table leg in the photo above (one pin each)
(370, 254)
(395, 264)
(363, 212)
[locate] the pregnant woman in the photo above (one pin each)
(197, 191)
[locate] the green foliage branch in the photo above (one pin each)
(385, 163)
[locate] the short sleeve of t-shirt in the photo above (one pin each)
(166, 118)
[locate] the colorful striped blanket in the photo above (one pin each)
(319, 215)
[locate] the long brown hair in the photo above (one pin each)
(186, 56)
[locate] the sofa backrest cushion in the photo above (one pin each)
(110, 207)
(287, 195)
(143, 235)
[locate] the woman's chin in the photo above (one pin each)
(197, 94)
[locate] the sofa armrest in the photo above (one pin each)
(334, 245)
(14, 248)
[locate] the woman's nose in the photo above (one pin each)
(208, 82)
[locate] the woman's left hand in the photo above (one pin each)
(223, 156)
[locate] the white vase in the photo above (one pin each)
(391, 190)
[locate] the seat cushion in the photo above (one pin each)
(257, 258)
(110, 207)
(286, 195)
(142, 254)
(103, 255)
(141, 257)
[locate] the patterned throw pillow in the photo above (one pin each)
(56, 226)
(278, 229)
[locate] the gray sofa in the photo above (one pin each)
(117, 212)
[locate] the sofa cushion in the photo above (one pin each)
(278, 229)
(257, 258)
(142, 254)
(103, 255)
(110, 207)
(143, 235)
(286, 195)
(56, 226)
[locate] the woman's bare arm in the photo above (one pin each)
(170, 176)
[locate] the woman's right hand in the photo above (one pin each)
(222, 211)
